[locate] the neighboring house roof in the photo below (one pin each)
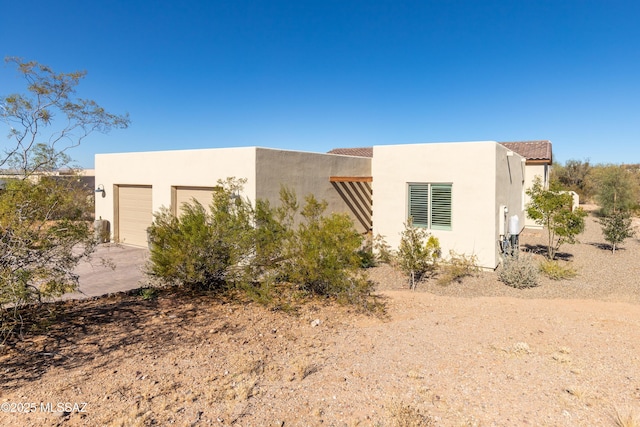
(536, 152)
(358, 151)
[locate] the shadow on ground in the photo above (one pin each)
(542, 250)
(69, 334)
(606, 247)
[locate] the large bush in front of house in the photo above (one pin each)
(322, 255)
(261, 249)
(203, 247)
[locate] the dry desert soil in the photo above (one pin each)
(476, 353)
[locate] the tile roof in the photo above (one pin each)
(532, 150)
(358, 151)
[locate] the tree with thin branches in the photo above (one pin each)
(49, 120)
(553, 209)
(44, 231)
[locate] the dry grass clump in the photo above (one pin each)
(562, 355)
(556, 270)
(628, 419)
(304, 367)
(239, 385)
(408, 416)
(457, 267)
(517, 349)
(576, 391)
(521, 348)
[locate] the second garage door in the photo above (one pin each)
(182, 195)
(134, 214)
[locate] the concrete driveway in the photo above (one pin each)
(97, 279)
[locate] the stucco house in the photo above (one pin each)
(538, 160)
(131, 186)
(463, 193)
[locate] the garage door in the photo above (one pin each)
(203, 195)
(134, 214)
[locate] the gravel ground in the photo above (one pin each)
(472, 354)
(601, 274)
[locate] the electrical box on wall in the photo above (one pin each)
(503, 211)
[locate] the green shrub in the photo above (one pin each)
(148, 293)
(201, 248)
(43, 237)
(457, 267)
(322, 255)
(616, 228)
(519, 272)
(366, 253)
(367, 258)
(575, 175)
(555, 270)
(553, 209)
(617, 190)
(259, 251)
(418, 253)
(271, 233)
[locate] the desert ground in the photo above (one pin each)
(476, 353)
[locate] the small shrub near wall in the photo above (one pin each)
(457, 267)
(519, 272)
(383, 252)
(418, 254)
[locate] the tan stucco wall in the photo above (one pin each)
(164, 169)
(265, 171)
(476, 170)
(510, 178)
(307, 173)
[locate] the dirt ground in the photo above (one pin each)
(472, 354)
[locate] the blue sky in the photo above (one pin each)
(315, 75)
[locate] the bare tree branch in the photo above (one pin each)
(49, 114)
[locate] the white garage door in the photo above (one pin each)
(204, 195)
(134, 214)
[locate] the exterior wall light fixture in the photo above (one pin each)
(100, 189)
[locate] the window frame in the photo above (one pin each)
(426, 208)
